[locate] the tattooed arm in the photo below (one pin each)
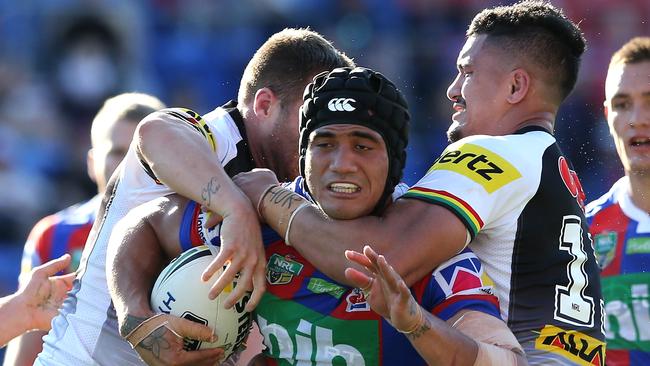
(180, 152)
(468, 338)
(141, 244)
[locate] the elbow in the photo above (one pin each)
(150, 131)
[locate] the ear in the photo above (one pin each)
(265, 103)
(519, 85)
(605, 109)
(90, 165)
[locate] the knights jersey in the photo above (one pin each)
(522, 206)
(308, 318)
(63, 232)
(86, 332)
(621, 234)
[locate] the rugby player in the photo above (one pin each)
(502, 186)
(620, 219)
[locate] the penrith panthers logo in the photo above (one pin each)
(571, 181)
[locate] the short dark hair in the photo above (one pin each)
(539, 32)
(287, 62)
(634, 51)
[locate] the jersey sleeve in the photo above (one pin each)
(481, 178)
(38, 245)
(458, 284)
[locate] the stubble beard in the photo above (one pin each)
(453, 133)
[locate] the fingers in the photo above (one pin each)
(245, 278)
(358, 278)
(213, 220)
(392, 281)
(259, 285)
(189, 329)
(216, 265)
(54, 266)
(358, 258)
(370, 254)
(390, 276)
(65, 280)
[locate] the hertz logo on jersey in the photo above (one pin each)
(577, 347)
(479, 164)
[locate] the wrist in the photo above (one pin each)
(21, 314)
(417, 325)
(279, 207)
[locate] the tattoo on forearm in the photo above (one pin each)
(156, 342)
(420, 331)
(284, 198)
(210, 189)
(130, 323)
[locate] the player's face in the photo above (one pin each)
(346, 167)
(284, 136)
(477, 90)
(109, 150)
(627, 107)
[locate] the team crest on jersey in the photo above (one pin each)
(357, 301)
(605, 247)
(575, 346)
(479, 164)
(281, 269)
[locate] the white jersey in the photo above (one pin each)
(522, 206)
(86, 332)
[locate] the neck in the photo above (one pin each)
(262, 150)
(546, 120)
(640, 190)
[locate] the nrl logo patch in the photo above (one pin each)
(280, 270)
(605, 247)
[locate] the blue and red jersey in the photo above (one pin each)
(63, 232)
(307, 317)
(621, 237)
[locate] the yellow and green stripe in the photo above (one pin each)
(460, 208)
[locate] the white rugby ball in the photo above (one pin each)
(179, 291)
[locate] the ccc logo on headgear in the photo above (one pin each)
(341, 105)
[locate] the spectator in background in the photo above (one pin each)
(620, 219)
(66, 231)
(34, 305)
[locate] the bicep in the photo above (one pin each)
(422, 236)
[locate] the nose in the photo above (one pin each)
(640, 115)
(453, 91)
(343, 160)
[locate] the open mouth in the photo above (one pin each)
(344, 188)
(640, 141)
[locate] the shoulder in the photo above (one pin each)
(606, 200)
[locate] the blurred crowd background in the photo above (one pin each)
(59, 59)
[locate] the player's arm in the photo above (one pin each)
(470, 337)
(415, 236)
(142, 243)
(34, 305)
(178, 149)
(23, 350)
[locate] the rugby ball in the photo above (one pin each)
(179, 291)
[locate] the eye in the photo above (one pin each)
(363, 147)
(621, 104)
(322, 144)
